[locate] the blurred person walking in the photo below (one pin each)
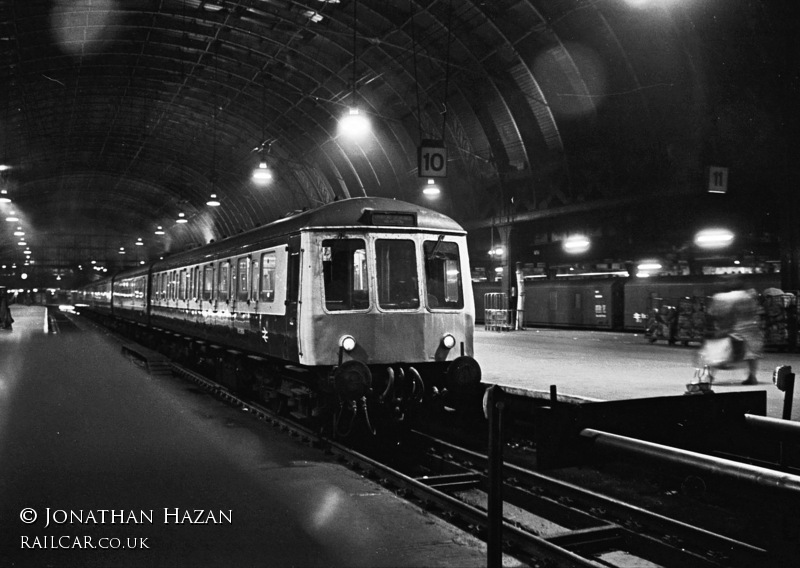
(736, 316)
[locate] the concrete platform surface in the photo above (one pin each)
(613, 366)
(103, 465)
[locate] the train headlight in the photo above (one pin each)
(347, 342)
(448, 341)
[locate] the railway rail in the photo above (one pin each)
(547, 522)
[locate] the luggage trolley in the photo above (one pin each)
(497, 315)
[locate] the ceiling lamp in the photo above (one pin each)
(713, 238)
(213, 202)
(4, 196)
(262, 173)
(576, 244)
(12, 217)
(160, 231)
(22, 243)
(354, 125)
(182, 218)
(19, 232)
(121, 250)
(139, 242)
(431, 189)
(4, 167)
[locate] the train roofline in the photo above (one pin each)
(347, 214)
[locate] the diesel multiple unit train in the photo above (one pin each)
(614, 304)
(359, 308)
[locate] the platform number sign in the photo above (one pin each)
(717, 179)
(432, 159)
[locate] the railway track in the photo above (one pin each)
(547, 522)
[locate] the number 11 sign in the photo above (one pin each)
(717, 179)
(432, 159)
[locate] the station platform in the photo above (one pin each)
(603, 365)
(104, 464)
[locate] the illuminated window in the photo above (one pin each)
(243, 269)
(208, 282)
(224, 281)
(268, 262)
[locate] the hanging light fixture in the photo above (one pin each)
(576, 244)
(354, 125)
(262, 174)
(213, 201)
(431, 190)
(139, 242)
(159, 231)
(4, 198)
(12, 217)
(182, 218)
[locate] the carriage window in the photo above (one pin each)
(244, 278)
(255, 273)
(182, 284)
(268, 262)
(443, 275)
(173, 285)
(208, 282)
(344, 269)
(396, 263)
(224, 277)
(140, 288)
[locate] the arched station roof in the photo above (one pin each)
(116, 116)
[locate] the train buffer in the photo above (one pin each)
(156, 364)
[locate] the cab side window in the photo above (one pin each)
(443, 275)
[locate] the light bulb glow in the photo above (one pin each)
(354, 125)
(576, 244)
(713, 238)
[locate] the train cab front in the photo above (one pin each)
(391, 311)
(381, 395)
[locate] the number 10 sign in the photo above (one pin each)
(432, 159)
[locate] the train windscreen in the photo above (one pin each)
(396, 264)
(344, 269)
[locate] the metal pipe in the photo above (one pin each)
(710, 464)
(785, 428)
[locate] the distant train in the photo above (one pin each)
(361, 303)
(614, 304)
